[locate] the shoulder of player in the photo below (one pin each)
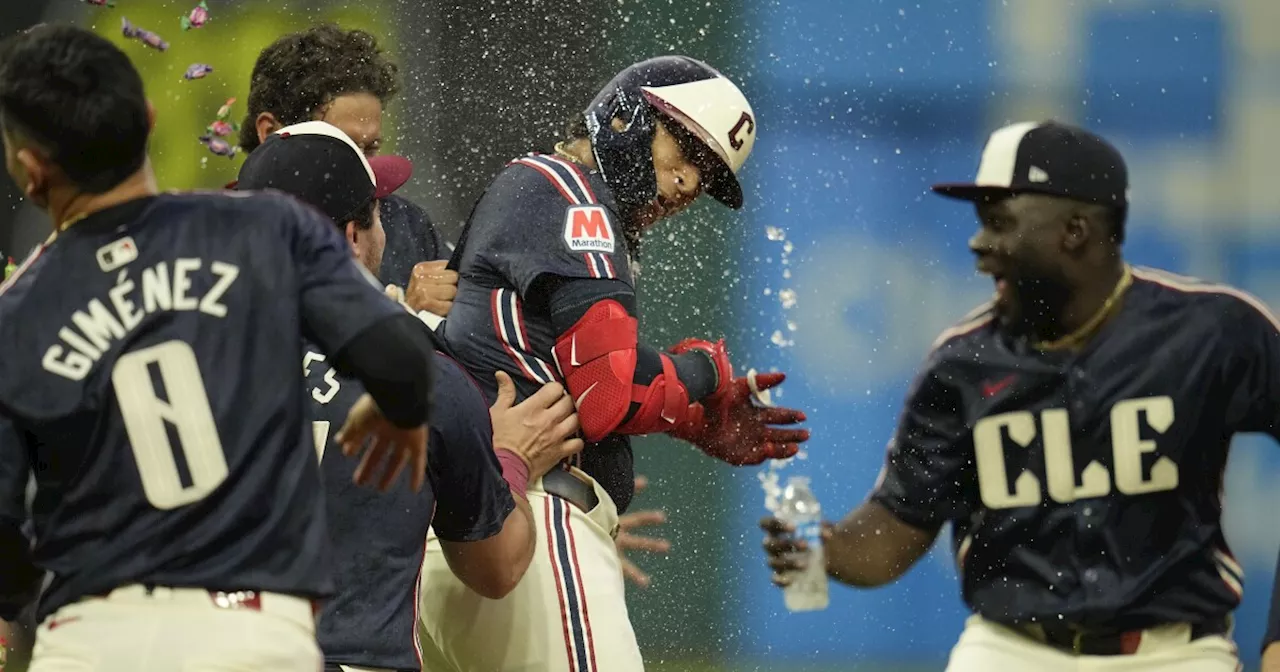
(236, 203)
(966, 331)
(1218, 300)
(551, 176)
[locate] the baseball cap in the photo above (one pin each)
(319, 164)
(1047, 158)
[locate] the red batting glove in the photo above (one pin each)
(729, 427)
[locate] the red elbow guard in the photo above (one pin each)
(597, 357)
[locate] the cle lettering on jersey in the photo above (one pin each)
(166, 286)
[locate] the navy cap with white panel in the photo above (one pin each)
(1047, 158)
(319, 164)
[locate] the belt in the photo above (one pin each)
(1079, 641)
(250, 600)
(567, 486)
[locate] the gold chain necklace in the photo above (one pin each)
(564, 153)
(1086, 330)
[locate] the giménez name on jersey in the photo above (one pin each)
(104, 320)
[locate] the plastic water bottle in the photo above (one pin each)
(808, 588)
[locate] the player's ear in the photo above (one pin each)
(1078, 230)
(36, 169)
(352, 231)
(266, 124)
(151, 116)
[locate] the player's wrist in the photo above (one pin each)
(718, 357)
(515, 470)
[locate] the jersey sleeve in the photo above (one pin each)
(19, 579)
(1253, 387)
(540, 218)
(472, 499)
(923, 481)
(339, 297)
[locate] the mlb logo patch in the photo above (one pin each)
(587, 229)
(116, 254)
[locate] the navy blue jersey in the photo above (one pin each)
(150, 371)
(379, 538)
(411, 238)
(540, 217)
(1086, 487)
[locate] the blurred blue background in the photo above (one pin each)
(869, 104)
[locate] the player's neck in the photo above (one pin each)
(578, 151)
(1090, 305)
(67, 209)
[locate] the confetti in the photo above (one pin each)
(198, 16)
(219, 146)
(144, 36)
(221, 129)
(222, 125)
(197, 71)
(225, 110)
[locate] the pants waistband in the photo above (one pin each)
(1080, 641)
(300, 610)
(567, 485)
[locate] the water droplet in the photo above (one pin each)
(788, 298)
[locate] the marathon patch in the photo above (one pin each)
(587, 229)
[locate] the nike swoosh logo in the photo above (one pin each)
(573, 358)
(991, 389)
(578, 402)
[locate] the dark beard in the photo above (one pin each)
(1038, 303)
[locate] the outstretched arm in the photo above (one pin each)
(624, 386)
(870, 547)
(923, 484)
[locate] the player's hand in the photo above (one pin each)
(733, 428)
(542, 429)
(785, 554)
(432, 287)
(626, 541)
(396, 294)
(382, 442)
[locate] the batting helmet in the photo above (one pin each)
(687, 91)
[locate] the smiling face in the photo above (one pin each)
(1022, 243)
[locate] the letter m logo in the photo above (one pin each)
(587, 229)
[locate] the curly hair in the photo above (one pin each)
(300, 73)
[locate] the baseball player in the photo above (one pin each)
(351, 93)
(546, 294)
(150, 381)
(477, 497)
(1073, 432)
